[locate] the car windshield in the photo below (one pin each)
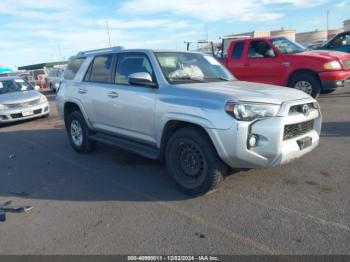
(180, 67)
(286, 46)
(14, 85)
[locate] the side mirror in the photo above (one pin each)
(37, 87)
(141, 79)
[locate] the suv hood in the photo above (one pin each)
(250, 92)
(19, 97)
(324, 54)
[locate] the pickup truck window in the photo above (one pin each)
(237, 50)
(260, 49)
(182, 67)
(341, 40)
(286, 46)
(129, 63)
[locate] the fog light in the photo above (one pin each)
(253, 141)
(339, 83)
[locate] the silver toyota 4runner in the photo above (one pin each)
(184, 108)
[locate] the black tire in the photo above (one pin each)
(310, 79)
(193, 162)
(87, 145)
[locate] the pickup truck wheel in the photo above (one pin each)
(78, 133)
(193, 162)
(306, 83)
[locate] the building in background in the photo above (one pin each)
(346, 25)
(289, 33)
(250, 34)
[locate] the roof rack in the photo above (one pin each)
(109, 49)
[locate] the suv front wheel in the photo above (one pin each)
(78, 133)
(193, 161)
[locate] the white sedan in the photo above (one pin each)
(19, 100)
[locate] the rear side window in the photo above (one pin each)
(72, 68)
(100, 69)
(237, 50)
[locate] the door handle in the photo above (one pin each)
(113, 94)
(82, 91)
(247, 64)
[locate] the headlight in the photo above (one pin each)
(43, 99)
(249, 112)
(3, 107)
(332, 65)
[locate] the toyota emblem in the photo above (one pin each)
(306, 110)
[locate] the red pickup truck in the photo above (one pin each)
(280, 61)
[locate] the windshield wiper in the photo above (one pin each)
(187, 78)
(217, 78)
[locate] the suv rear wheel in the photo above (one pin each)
(193, 161)
(78, 133)
(306, 83)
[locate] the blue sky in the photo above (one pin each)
(35, 31)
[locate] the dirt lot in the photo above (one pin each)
(114, 202)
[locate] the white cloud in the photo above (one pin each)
(297, 3)
(343, 4)
(216, 10)
(44, 9)
(212, 11)
(142, 23)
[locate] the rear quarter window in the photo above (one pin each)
(100, 69)
(72, 68)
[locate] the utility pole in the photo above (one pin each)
(327, 22)
(109, 37)
(206, 32)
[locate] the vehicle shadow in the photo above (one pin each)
(43, 164)
(335, 129)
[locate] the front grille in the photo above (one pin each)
(346, 63)
(19, 115)
(294, 130)
(24, 104)
(299, 108)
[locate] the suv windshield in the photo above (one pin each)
(286, 46)
(180, 67)
(14, 85)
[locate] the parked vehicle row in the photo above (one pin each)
(53, 78)
(280, 61)
(186, 109)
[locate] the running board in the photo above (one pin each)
(132, 146)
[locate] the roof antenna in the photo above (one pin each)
(109, 37)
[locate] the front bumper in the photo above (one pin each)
(18, 114)
(334, 79)
(272, 149)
